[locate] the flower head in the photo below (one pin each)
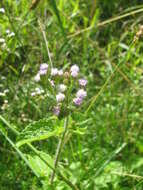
(43, 69)
(54, 71)
(37, 77)
(60, 97)
(74, 71)
(77, 101)
(60, 72)
(11, 34)
(74, 68)
(81, 93)
(82, 82)
(33, 94)
(44, 66)
(2, 40)
(74, 74)
(2, 10)
(7, 31)
(42, 72)
(56, 110)
(62, 87)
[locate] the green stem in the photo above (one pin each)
(59, 148)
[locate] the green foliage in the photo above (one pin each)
(40, 130)
(103, 145)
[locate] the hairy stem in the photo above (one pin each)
(59, 148)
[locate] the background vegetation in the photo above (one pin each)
(104, 149)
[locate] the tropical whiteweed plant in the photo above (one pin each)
(64, 91)
(62, 88)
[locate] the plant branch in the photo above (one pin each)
(59, 148)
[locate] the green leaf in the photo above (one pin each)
(2, 129)
(39, 166)
(108, 177)
(56, 11)
(40, 130)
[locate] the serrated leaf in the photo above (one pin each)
(40, 130)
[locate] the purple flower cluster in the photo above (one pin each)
(74, 71)
(80, 95)
(64, 79)
(42, 71)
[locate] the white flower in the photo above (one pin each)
(3, 78)
(7, 31)
(60, 72)
(81, 94)
(74, 74)
(82, 82)
(6, 91)
(42, 72)
(2, 40)
(2, 94)
(6, 101)
(37, 77)
(11, 34)
(74, 68)
(74, 71)
(77, 101)
(60, 97)
(62, 87)
(39, 91)
(2, 10)
(54, 71)
(56, 110)
(33, 93)
(44, 66)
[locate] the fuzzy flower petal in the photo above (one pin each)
(56, 110)
(37, 77)
(2, 10)
(54, 71)
(74, 74)
(33, 94)
(60, 97)
(62, 87)
(60, 72)
(82, 82)
(44, 66)
(74, 68)
(77, 101)
(42, 72)
(81, 94)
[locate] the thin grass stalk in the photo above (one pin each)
(46, 42)
(106, 22)
(19, 153)
(94, 98)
